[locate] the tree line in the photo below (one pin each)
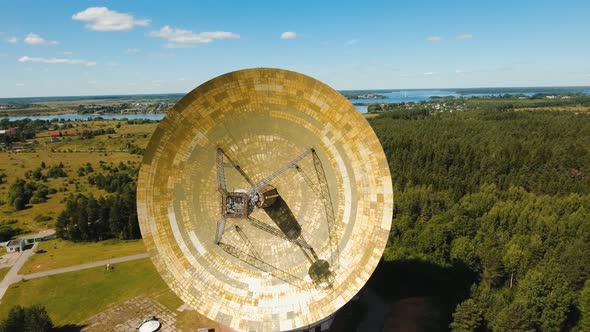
(87, 218)
(88, 134)
(25, 129)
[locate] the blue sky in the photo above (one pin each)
(57, 47)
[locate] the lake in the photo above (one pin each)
(391, 96)
(405, 96)
(418, 95)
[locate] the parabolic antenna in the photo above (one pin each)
(265, 200)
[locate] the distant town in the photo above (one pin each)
(374, 100)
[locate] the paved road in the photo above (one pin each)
(12, 276)
(84, 266)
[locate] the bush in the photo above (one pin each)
(8, 232)
(22, 191)
(56, 172)
(37, 200)
(18, 204)
(42, 218)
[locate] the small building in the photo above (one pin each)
(16, 245)
(55, 133)
(8, 131)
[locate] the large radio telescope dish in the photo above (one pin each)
(265, 200)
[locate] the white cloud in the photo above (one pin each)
(34, 39)
(352, 42)
(20, 84)
(465, 36)
(160, 55)
(184, 38)
(462, 72)
(132, 51)
(12, 40)
(289, 35)
(92, 82)
(429, 73)
(504, 68)
(57, 61)
(104, 19)
(434, 39)
(66, 53)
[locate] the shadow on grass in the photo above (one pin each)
(441, 287)
(69, 328)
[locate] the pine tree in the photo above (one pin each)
(32, 319)
(584, 306)
(467, 317)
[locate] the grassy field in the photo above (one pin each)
(169, 300)
(3, 272)
(33, 110)
(62, 253)
(73, 297)
(73, 152)
(577, 109)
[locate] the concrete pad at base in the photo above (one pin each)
(8, 259)
(129, 314)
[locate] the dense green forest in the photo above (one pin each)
(492, 216)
